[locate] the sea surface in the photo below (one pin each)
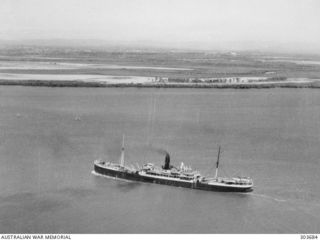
(49, 138)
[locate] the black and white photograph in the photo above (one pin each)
(159, 117)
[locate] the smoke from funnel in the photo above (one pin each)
(162, 151)
(156, 149)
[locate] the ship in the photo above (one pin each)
(182, 176)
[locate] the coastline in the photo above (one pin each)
(75, 83)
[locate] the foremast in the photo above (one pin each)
(217, 164)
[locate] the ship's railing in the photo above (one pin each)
(168, 175)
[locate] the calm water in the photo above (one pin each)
(50, 136)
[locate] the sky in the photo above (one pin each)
(293, 23)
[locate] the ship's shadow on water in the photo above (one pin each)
(127, 186)
(228, 195)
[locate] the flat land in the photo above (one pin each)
(72, 66)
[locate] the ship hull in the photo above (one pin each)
(135, 176)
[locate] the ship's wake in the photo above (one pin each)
(265, 197)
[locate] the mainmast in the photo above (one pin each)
(122, 153)
(217, 165)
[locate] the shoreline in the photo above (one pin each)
(61, 83)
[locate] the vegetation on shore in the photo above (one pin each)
(157, 85)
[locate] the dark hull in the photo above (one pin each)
(134, 176)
